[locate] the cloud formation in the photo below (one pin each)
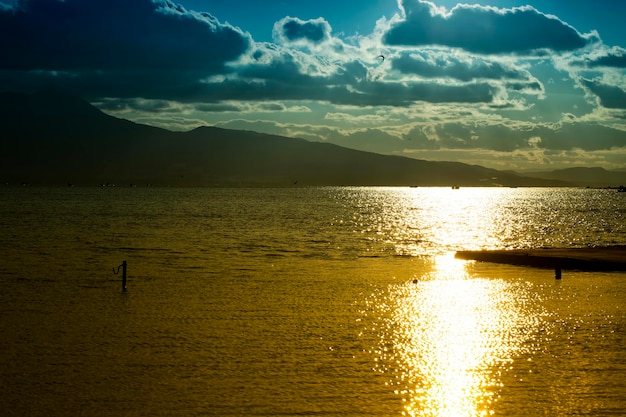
(443, 65)
(294, 30)
(159, 50)
(473, 78)
(110, 35)
(611, 97)
(483, 29)
(614, 57)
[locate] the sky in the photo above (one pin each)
(506, 84)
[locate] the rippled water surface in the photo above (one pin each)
(306, 301)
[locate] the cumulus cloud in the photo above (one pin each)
(483, 29)
(280, 73)
(611, 97)
(451, 79)
(293, 30)
(614, 57)
(325, 89)
(112, 35)
(445, 65)
(159, 50)
(244, 107)
(505, 137)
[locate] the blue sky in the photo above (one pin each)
(535, 85)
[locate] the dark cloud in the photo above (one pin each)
(217, 107)
(610, 96)
(94, 84)
(615, 58)
(399, 94)
(282, 68)
(506, 138)
(283, 80)
(533, 86)
(482, 29)
(149, 106)
(292, 29)
(618, 61)
(446, 66)
(288, 76)
(158, 50)
(272, 107)
(114, 35)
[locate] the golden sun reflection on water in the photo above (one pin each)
(432, 221)
(448, 339)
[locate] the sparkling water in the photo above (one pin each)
(340, 301)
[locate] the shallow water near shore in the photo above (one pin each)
(306, 301)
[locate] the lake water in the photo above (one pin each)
(306, 302)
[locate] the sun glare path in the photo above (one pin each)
(433, 221)
(448, 338)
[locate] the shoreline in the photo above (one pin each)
(606, 258)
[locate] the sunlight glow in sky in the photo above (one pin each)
(503, 83)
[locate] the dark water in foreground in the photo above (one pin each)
(316, 301)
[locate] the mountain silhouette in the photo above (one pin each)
(52, 138)
(584, 176)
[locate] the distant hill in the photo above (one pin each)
(585, 177)
(51, 138)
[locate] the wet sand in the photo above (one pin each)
(608, 258)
